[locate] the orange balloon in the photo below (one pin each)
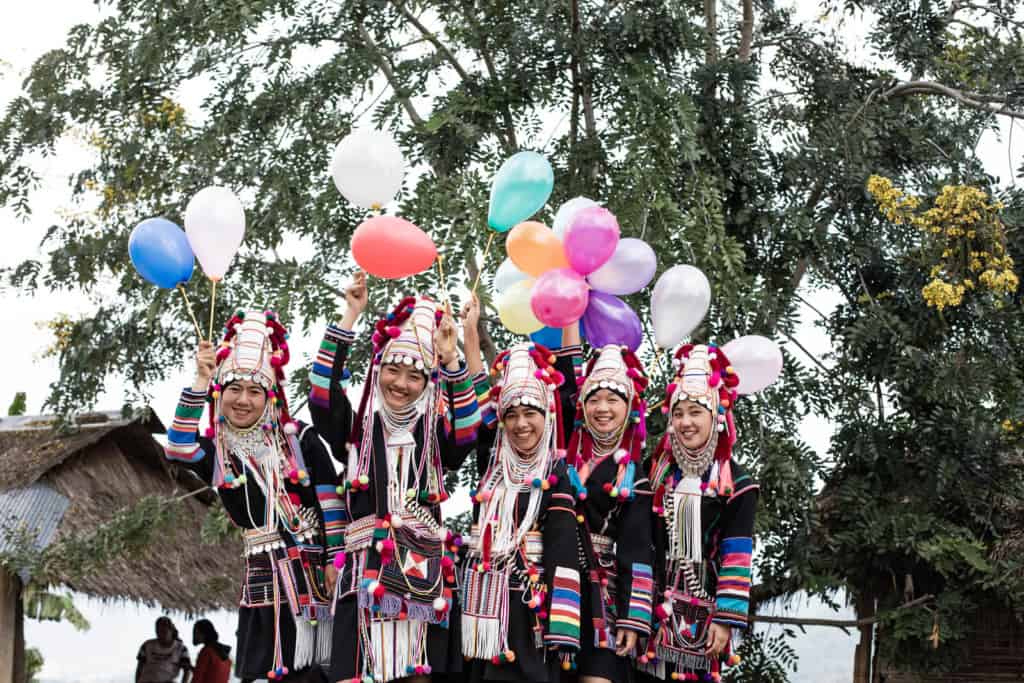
(535, 249)
(392, 247)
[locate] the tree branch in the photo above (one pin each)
(441, 47)
(389, 73)
(711, 29)
(979, 101)
(840, 623)
(746, 30)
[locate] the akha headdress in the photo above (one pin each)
(254, 347)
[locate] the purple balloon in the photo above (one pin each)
(559, 297)
(591, 239)
(609, 320)
(629, 269)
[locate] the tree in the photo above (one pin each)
(741, 142)
(17, 406)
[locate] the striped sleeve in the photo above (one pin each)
(733, 593)
(182, 443)
(638, 610)
(482, 387)
(574, 353)
(335, 518)
(323, 365)
(564, 620)
(463, 415)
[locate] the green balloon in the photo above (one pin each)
(521, 187)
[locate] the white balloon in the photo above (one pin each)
(565, 213)
(756, 360)
(507, 275)
(368, 168)
(215, 226)
(680, 301)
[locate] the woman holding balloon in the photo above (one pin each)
(606, 418)
(417, 418)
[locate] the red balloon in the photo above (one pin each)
(392, 247)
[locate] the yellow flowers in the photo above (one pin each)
(168, 114)
(965, 234)
(62, 327)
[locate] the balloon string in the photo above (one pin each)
(213, 304)
(191, 314)
(483, 261)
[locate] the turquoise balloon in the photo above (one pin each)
(521, 187)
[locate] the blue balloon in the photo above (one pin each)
(520, 189)
(160, 252)
(551, 337)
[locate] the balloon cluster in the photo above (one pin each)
(553, 278)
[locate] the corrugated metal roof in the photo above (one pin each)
(37, 509)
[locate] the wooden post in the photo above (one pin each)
(865, 606)
(12, 646)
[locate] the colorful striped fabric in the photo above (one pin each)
(323, 364)
(638, 615)
(576, 353)
(182, 444)
(733, 592)
(482, 387)
(464, 413)
(335, 518)
(564, 622)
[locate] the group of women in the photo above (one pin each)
(594, 553)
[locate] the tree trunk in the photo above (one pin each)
(12, 642)
(865, 606)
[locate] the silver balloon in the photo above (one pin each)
(680, 301)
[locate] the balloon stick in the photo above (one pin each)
(444, 284)
(213, 303)
(480, 271)
(191, 314)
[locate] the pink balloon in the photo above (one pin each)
(559, 297)
(392, 247)
(591, 239)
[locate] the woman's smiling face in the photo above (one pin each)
(242, 403)
(605, 410)
(400, 385)
(524, 426)
(692, 422)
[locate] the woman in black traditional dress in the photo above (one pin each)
(704, 507)
(253, 452)
(417, 418)
(606, 418)
(521, 578)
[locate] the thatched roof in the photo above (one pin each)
(108, 464)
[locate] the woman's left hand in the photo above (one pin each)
(625, 641)
(718, 638)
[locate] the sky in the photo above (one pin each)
(106, 652)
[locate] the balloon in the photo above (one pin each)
(680, 300)
(551, 337)
(559, 297)
(629, 269)
(215, 226)
(567, 211)
(392, 247)
(756, 360)
(591, 239)
(520, 189)
(534, 249)
(368, 168)
(159, 251)
(610, 320)
(507, 275)
(514, 309)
